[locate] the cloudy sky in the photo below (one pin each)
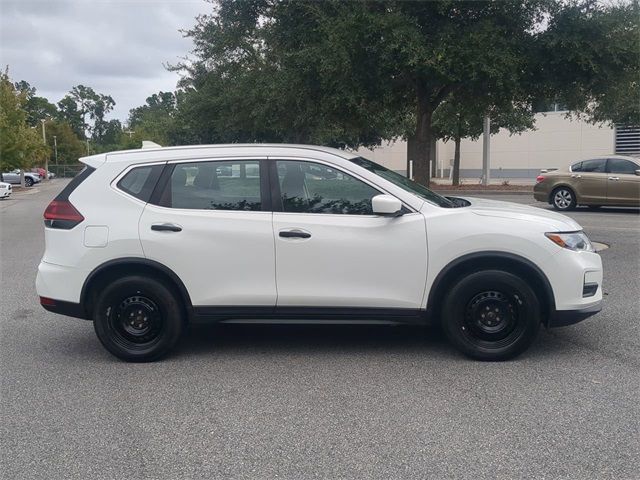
(118, 47)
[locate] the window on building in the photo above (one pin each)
(627, 140)
(546, 106)
(232, 185)
(314, 188)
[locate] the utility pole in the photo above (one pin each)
(486, 151)
(55, 148)
(46, 158)
(130, 132)
(87, 146)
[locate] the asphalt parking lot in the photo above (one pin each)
(317, 402)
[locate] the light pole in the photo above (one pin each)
(55, 148)
(46, 158)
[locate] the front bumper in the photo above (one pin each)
(562, 318)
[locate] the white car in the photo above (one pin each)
(5, 190)
(143, 242)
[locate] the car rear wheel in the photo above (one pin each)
(491, 315)
(563, 199)
(138, 319)
(28, 182)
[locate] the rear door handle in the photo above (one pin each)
(294, 234)
(576, 176)
(166, 227)
(614, 178)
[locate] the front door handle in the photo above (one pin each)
(166, 227)
(294, 234)
(614, 178)
(576, 176)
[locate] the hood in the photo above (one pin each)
(493, 208)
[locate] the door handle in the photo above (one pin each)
(166, 227)
(614, 178)
(576, 176)
(294, 234)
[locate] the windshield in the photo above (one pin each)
(404, 183)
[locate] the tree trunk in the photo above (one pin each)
(411, 153)
(456, 162)
(421, 171)
(433, 157)
(22, 179)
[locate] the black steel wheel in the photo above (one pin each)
(138, 319)
(491, 315)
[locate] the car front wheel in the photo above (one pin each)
(563, 199)
(138, 319)
(491, 315)
(28, 182)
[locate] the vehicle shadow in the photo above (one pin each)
(624, 210)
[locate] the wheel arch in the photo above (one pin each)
(131, 266)
(491, 260)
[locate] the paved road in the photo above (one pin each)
(317, 402)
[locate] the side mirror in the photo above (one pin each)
(638, 172)
(386, 205)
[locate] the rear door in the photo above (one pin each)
(332, 251)
(590, 181)
(209, 222)
(623, 185)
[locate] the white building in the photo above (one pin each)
(556, 142)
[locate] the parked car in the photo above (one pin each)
(5, 190)
(143, 242)
(30, 178)
(612, 181)
(43, 173)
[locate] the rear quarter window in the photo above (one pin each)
(139, 182)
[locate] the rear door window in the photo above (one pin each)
(216, 185)
(139, 182)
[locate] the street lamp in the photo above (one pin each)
(55, 148)
(46, 158)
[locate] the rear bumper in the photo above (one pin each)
(562, 318)
(60, 307)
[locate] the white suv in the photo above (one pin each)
(144, 241)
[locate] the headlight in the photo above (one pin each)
(577, 241)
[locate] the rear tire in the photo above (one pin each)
(28, 182)
(491, 315)
(138, 319)
(563, 199)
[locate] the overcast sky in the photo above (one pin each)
(117, 47)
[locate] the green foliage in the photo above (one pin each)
(20, 145)
(70, 147)
(84, 110)
(37, 108)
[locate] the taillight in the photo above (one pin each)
(62, 214)
(539, 178)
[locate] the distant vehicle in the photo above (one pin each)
(5, 190)
(13, 176)
(610, 181)
(42, 173)
(142, 242)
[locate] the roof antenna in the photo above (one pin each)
(150, 144)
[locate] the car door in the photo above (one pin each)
(623, 184)
(332, 251)
(590, 182)
(209, 222)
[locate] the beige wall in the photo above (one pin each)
(557, 142)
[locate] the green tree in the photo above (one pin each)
(84, 110)
(37, 108)
(462, 114)
(70, 147)
(156, 119)
(20, 145)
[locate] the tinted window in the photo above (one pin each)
(619, 165)
(576, 167)
(232, 185)
(314, 188)
(140, 181)
(596, 165)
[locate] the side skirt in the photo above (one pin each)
(309, 315)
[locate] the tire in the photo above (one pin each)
(563, 199)
(491, 315)
(154, 319)
(28, 182)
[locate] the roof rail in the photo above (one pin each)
(150, 144)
